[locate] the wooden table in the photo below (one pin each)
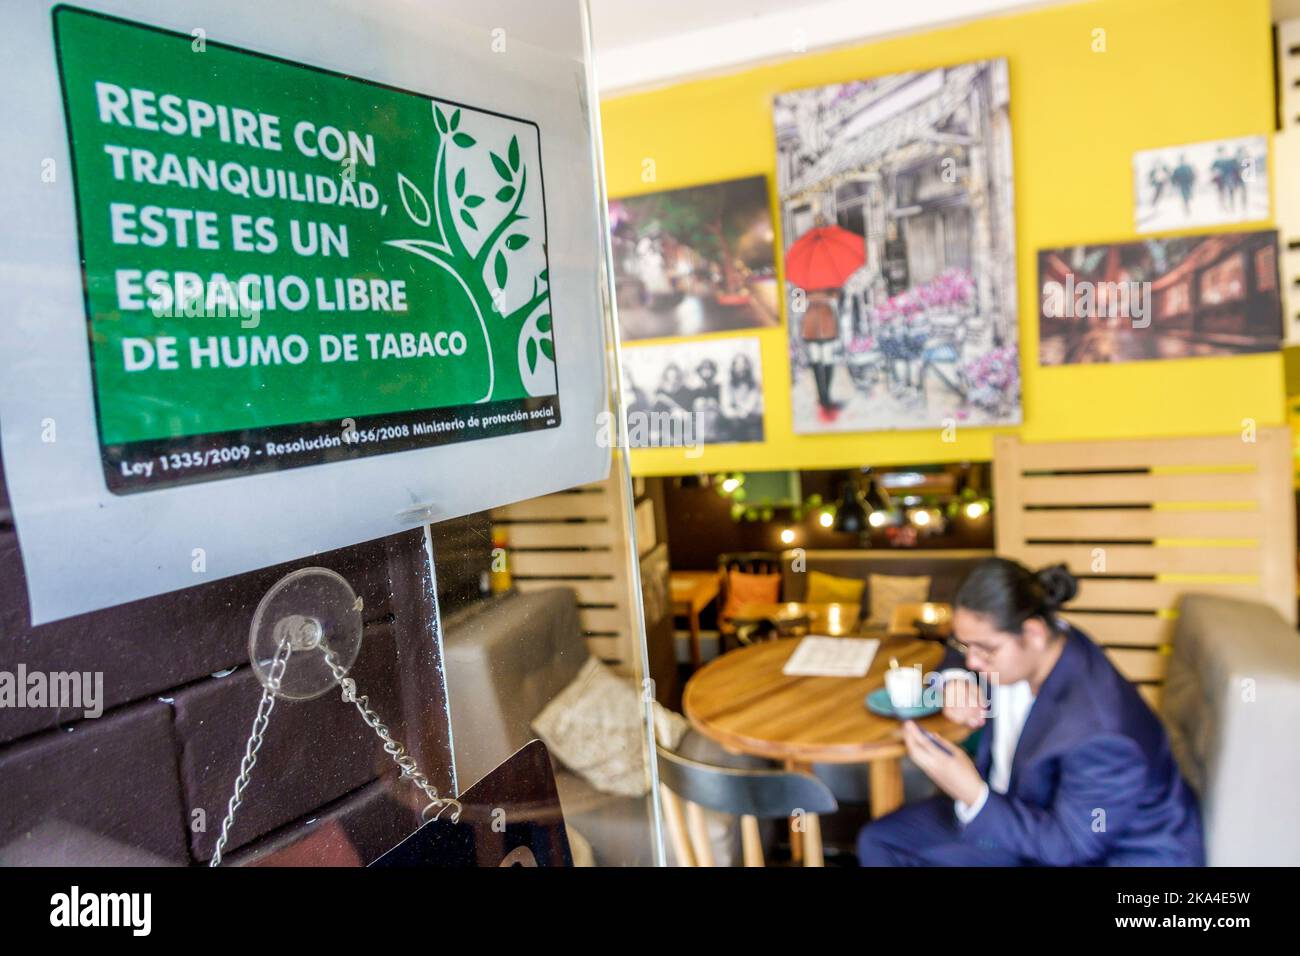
(744, 702)
(837, 620)
(691, 593)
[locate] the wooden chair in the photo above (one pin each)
(688, 787)
(746, 562)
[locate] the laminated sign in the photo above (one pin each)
(285, 266)
(283, 277)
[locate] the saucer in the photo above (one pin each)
(878, 702)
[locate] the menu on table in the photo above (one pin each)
(818, 656)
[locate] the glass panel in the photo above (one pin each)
(544, 637)
(451, 646)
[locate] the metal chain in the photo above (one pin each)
(264, 707)
(405, 762)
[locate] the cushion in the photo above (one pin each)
(831, 589)
(593, 727)
(745, 588)
(886, 591)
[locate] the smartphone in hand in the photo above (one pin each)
(937, 740)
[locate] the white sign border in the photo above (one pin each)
(85, 548)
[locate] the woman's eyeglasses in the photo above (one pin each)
(961, 647)
(929, 632)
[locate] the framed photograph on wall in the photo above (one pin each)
(896, 214)
(695, 260)
(1201, 184)
(699, 392)
(1172, 297)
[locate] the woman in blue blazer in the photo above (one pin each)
(1072, 767)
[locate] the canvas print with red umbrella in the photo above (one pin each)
(900, 283)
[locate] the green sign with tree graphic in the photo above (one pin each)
(286, 266)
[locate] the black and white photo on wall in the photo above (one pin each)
(699, 391)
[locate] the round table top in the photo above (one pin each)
(744, 702)
(836, 620)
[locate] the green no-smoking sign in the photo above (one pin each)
(287, 266)
(279, 278)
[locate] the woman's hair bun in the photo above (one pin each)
(1058, 584)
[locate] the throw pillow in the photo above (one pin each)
(745, 588)
(593, 727)
(832, 589)
(887, 591)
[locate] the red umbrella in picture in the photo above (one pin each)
(822, 258)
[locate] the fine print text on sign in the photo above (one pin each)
(285, 266)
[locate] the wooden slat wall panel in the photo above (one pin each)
(1136, 489)
(1106, 524)
(645, 527)
(1138, 559)
(1140, 630)
(540, 564)
(556, 507)
(1199, 515)
(589, 590)
(1116, 455)
(551, 535)
(608, 649)
(604, 620)
(1152, 694)
(1139, 666)
(1277, 504)
(1129, 595)
(577, 539)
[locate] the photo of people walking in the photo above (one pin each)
(1201, 184)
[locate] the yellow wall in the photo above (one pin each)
(1174, 71)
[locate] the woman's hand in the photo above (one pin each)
(962, 704)
(948, 766)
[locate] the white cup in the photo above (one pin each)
(904, 687)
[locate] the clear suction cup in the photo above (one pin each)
(315, 610)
